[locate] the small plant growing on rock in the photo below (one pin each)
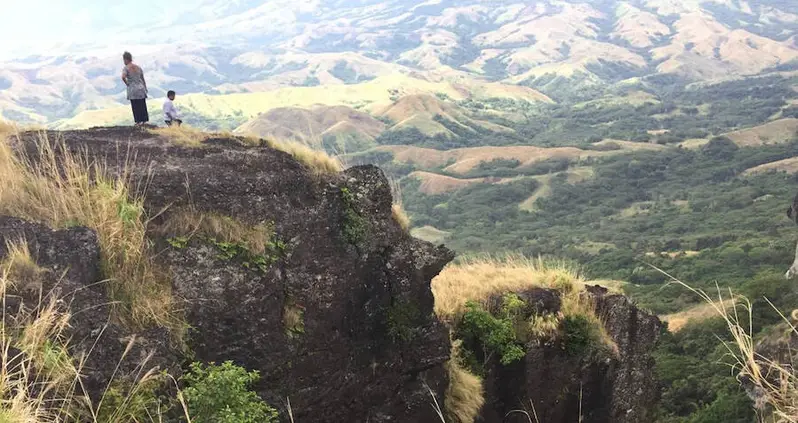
(402, 317)
(496, 335)
(137, 402)
(294, 320)
(354, 225)
(578, 334)
(221, 394)
(239, 251)
(255, 246)
(178, 242)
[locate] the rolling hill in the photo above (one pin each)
(426, 112)
(556, 46)
(341, 125)
(374, 96)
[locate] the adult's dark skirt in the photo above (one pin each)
(140, 114)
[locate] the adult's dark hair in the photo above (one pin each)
(170, 93)
(127, 56)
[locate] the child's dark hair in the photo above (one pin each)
(127, 56)
(170, 93)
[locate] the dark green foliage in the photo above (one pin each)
(240, 252)
(578, 334)
(342, 71)
(736, 224)
(402, 318)
(720, 148)
(179, 242)
(222, 394)
(496, 335)
(730, 105)
(355, 226)
(694, 372)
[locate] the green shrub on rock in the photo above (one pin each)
(221, 394)
(496, 335)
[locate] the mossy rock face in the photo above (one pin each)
(237, 312)
(572, 372)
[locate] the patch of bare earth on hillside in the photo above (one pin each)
(463, 160)
(776, 132)
(699, 313)
(433, 183)
(694, 143)
(628, 145)
(787, 165)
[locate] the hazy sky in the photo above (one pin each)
(36, 24)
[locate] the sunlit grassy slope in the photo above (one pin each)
(369, 96)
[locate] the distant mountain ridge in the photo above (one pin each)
(252, 46)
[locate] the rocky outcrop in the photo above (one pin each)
(339, 320)
(337, 317)
(591, 388)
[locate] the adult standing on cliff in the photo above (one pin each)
(133, 77)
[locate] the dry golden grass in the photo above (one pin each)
(694, 143)
(397, 210)
(183, 135)
(776, 132)
(23, 272)
(67, 189)
(293, 319)
(677, 321)
(7, 129)
(400, 216)
(543, 191)
(631, 145)
(317, 160)
(465, 395)
(433, 183)
(41, 383)
(787, 165)
(477, 279)
(466, 159)
(189, 222)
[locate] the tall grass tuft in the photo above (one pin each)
(183, 135)
(478, 278)
(63, 189)
(465, 395)
(7, 129)
(315, 159)
(398, 210)
(773, 384)
(40, 382)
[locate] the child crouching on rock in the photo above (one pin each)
(170, 115)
